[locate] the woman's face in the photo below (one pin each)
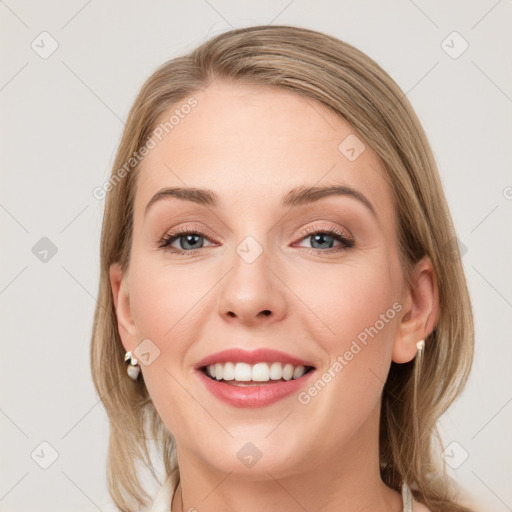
(250, 275)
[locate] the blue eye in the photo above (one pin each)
(192, 241)
(328, 236)
(189, 241)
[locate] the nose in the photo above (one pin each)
(252, 292)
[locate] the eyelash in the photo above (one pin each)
(169, 238)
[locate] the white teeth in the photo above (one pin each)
(259, 372)
(288, 371)
(298, 371)
(242, 371)
(276, 371)
(228, 371)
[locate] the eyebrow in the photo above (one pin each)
(295, 197)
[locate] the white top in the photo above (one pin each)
(163, 499)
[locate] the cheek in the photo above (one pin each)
(168, 307)
(352, 316)
(344, 300)
(358, 311)
(165, 297)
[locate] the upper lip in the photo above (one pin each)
(260, 355)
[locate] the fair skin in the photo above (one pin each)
(251, 146)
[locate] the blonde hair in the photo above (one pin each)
(322, 68)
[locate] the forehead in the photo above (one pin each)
(251, 144)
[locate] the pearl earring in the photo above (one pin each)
(420, 345)
(133, 369)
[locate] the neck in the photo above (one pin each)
(348, 479)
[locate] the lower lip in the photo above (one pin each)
(253, 396)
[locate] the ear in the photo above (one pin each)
(420, 301)
(120, 292)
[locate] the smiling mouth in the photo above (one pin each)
(244, 374)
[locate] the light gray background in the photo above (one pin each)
(62, 120)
